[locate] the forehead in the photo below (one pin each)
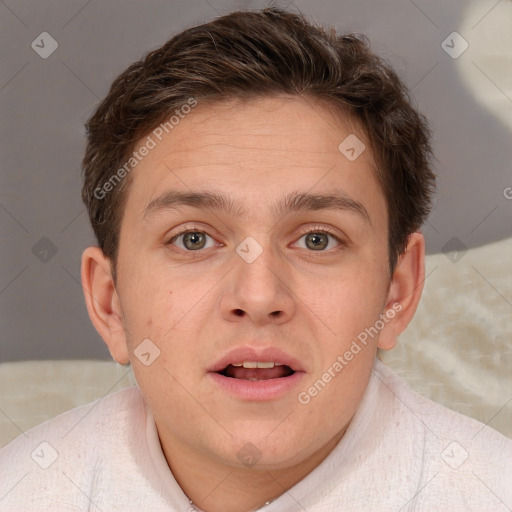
(254, 150)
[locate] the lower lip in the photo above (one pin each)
(258, 390)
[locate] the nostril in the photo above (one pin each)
(239, 312)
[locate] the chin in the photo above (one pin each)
(259, 453)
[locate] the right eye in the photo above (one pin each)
(191, 240)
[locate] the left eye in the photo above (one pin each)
(318, 240)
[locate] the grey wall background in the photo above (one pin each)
(44, 103)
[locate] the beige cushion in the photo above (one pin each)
(34, 391)
(457, 351)
(458, 348)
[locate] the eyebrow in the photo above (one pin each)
(293, 202)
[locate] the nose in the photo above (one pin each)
(259, 292)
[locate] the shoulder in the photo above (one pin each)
(462, 458)
(439, 420)
(70, 449)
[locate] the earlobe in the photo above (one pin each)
(102, 302)
(405, 291)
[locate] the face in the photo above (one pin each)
(284, 275)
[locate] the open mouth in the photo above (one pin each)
(257, 377)
(256, 373)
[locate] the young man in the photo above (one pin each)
(256, 186)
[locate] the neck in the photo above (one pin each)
(215, 487)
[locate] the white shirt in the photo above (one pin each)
(401, 452)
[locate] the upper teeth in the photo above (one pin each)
(257, 364)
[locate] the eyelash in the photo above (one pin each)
(316, 229)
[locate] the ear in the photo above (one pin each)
(404, 291)
(103, 303)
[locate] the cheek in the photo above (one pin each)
(148, 306)
(351, 302)
(165, 309)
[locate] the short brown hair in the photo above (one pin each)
(248, 54)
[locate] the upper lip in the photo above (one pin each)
(247, 353)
